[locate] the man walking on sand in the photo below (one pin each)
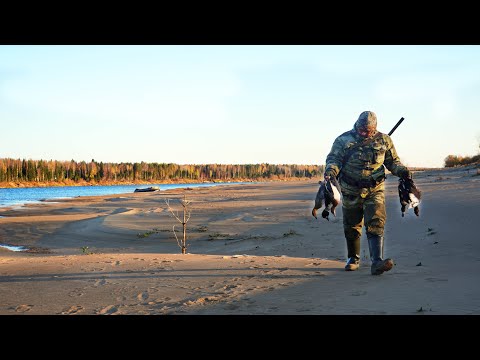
(358, 159)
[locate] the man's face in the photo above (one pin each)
(366, 132)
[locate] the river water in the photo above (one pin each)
(20, 196)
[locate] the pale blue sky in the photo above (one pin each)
(234, 104)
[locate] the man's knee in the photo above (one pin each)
(376, 227)
(352, 233)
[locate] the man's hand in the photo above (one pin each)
(407, 174)
(328, 175)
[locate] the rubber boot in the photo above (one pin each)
(353, 248)
(353, 263)
(379, 266)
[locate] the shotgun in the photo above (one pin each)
(395, 127)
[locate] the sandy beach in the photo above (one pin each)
(252, 249)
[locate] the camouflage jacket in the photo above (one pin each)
(365, 168)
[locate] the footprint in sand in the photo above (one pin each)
(75, 293)
(231, 307)
(97, 269)
(159, 301)
(100, 282)
(23, 308)
(229, 287)
(142, 296)
(358, 293)
(203, 300)
(313, 264)
(435, 279)
(74, 309)
(109, 310)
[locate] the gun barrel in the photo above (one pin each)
(395, 127)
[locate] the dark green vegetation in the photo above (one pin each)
(16, 170)
(455, 160)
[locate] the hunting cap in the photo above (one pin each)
(367, 120)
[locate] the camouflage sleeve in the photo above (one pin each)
(392, 161)
(334, 160)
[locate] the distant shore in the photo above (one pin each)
(31, 184)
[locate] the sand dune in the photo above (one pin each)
(252, 249)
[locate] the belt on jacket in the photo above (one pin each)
(364, 183)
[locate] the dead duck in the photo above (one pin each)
(328, 194)
(410, 196)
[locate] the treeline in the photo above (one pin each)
(454, 160)
(16, 170)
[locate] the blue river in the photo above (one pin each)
(20, 196)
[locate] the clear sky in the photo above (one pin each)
(234, 104)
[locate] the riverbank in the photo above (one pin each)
(31, 184)
(252, 249)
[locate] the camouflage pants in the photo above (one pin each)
(356, 210)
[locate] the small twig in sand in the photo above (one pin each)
(182, 243)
